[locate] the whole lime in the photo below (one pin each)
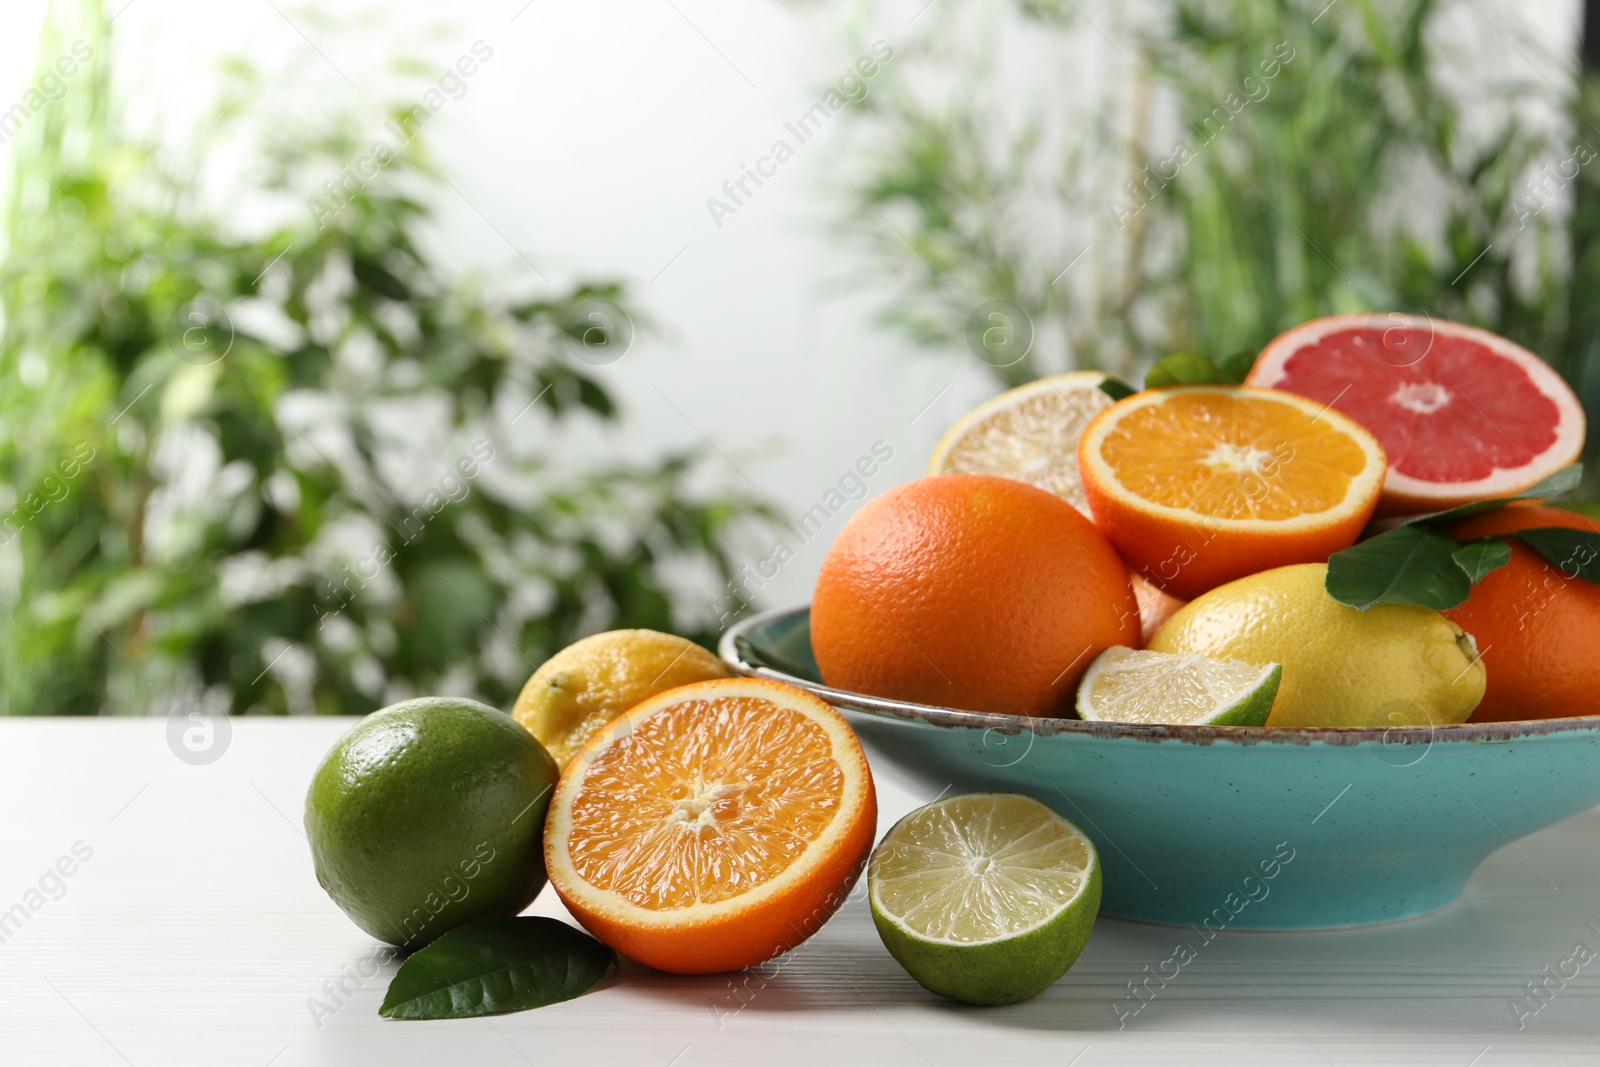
(427, 814)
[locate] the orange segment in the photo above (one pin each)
(1199, 485)
(713, 826)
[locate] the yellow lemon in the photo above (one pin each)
(591, 682)
(1391, 665)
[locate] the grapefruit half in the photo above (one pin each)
(1463, 414)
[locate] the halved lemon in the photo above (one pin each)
(1125, 685)
(712, 826)
(1029, 434)
(1198, 485)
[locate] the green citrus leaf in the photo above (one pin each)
(1562, 481)
(1405, 565)
(1116, 388)
(1481, 557)
(1576, 552)
(494, 966)
(1237, 367)
(1183, 368)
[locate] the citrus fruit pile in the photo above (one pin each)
(694, 822)
(1231, 539)
(697, 827)
(1199, 553)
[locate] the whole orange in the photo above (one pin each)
(1537, 625)
(970, 591)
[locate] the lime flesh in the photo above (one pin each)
(428, 814)
(1127, 685)
(985, 898)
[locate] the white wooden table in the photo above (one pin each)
(195, 932)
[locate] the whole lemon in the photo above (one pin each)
(591, 682)
(428, 814)
(1391, 665)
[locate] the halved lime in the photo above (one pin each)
(985, 898)
(1129, 685)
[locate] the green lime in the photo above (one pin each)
(985, 898)
(1125, 685)
(428, 814)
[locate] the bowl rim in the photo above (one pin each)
(988, 721)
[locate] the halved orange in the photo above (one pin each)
(713, 826)
(1198, 485)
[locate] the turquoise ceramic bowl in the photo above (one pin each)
(1236, 827)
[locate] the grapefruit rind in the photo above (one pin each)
(775, 915)
(1403, 493)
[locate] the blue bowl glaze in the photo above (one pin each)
(1235, 827)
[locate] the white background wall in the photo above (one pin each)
(589, 144)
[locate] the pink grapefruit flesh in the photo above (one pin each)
(1462, 414)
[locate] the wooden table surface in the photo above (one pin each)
(190, 929)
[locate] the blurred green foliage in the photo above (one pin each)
(1245, 166)
(300, 471)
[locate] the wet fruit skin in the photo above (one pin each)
(1537, 629)
(427, 814)
(970, 591)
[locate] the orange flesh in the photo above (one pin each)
(1232, 457)
(704, 801)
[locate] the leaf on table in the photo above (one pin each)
(494, 966)
(1405, 565)
(1561, 482)
(1576, 552)
(1481, 557)
(1184, 368)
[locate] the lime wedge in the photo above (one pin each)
(985, 898)
(1127, 685)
